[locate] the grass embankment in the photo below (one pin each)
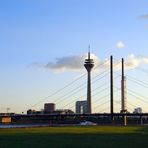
(75, 137)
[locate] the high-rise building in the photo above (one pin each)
(49, 107)
(81, 107)
(89, 64)
(137, 110)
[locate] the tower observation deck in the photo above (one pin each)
(89, 64)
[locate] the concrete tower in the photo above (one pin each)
(89, 64)
(123, 91)
(123, 96)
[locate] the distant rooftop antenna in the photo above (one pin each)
(88, 51)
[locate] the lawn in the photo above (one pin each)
(75, 137)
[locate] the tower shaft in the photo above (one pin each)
(89, 92)
(89, 64)
(123, 95)
(123, 90)
(111, 86)
(111, 90)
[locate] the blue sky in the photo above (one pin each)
(39, 31)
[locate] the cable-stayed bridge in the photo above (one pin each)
(66, 97)
(136, 89)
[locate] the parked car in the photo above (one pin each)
(87, 123)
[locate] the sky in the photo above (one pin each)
(43, 44)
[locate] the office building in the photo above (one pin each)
(81, 107)
(49, 107)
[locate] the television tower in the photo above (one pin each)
(89, 64)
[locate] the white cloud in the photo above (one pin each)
(131, 62)
(120, 45)
(76, 63)
(145, 60)
(69, 63)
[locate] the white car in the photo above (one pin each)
(87, 123)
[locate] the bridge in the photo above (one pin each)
(106, 93)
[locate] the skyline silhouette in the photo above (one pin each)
(44, 45)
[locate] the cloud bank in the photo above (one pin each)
(76, 63)
(69, 63)
(133, 61)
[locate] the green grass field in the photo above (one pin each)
(75, 137)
